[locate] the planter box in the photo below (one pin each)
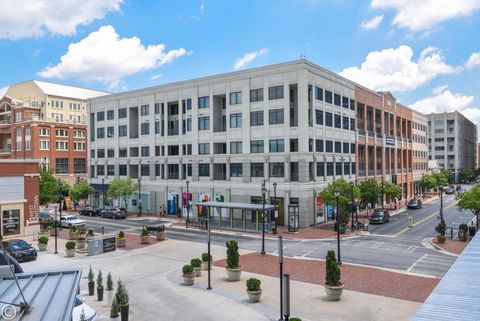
(254, 296)
(205, 266)
(121, 242)
(188, 279)
(233, 275)
(72, 235)
(161, 236)
(42, 247)
(81, 244)
(109, 297)
(197, 271)
(334, 292)
(70, 253)
(144, 239)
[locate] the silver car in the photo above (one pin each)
(71, 220)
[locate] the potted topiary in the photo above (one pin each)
(70, 248)
(90, 234)
(253, 290)
(188, 275)
(114, 310)
(121, 241)
(119, 291)
(100, 286)
(42, 243)
(205, 259)
(45, 227)
(161, 233)
(333, 285)
(233, 269)
(197, 266)
(109, 289)
(440, 228)
(463, 232)
(72, 234)
(471, 231)
(124, 305)
(144, 237)
(81, 241)
(91, 282)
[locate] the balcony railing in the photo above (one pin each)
(5, 151)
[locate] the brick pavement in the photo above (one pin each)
(356, 278)
(452, 246)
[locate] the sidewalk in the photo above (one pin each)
(454, 247)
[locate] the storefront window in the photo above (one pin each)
(11, 222)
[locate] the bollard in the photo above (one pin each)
(410, 221)
(103, 230)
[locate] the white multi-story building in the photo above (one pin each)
(292, 124)
(419, 149)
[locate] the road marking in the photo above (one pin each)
(416, 262)
(308, 253)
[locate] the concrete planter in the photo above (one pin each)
(42, 247)
(334, 292)
(81, 243)
(121, 242)
(205, 266)
(161, 236)
(144, 239)
(197, 271)
(188, 279)
(233, 275)
(109, 297)
(463, 235)
(440, 239)
(44, 234)
(254, 296)
(70, 253)
(72, 235)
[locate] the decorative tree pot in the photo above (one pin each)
(440, 239)
(115, 319)
(462, 235)
(70, 253)
(121, 242)
(124, 312)
(233, 275)
(100, 294)
(72, 235)
(205, 266)
(197, 271)
(144, 239)
(91, 288)
(334, 292)
(42, 247)
(81, 243)
(108, 297)
(254, 296)
(342, 229)
(188, 279)
(161, 236)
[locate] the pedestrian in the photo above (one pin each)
(164, 210)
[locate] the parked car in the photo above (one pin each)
(450, 191)
(90, 211)
(117, 212)
(16, 266)
(71, 220)
(461, 191)
(379, 216)
(20, 250)
(414, 203)
(79, 306)
(43, 216)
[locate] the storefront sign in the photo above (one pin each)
(109, 244)
(101, 244)
(11, 222)
(390, 141)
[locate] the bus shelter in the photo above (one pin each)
(235, 216)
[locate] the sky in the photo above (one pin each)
(426, 52)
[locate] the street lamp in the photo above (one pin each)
(188, 207)
(441, 201)
(339, 261)
(140, 196)
(382, 192)
(352, 184)
(60, 208)
(356, 207)
(275, 200)
(103, 193)
(264, 191)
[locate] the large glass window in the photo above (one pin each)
(122, 113)
(256, 118)
(236, 120)
(145, 128)
(337, 99)
(329, 146)
(204, 170)
(145, 170)
(203, 148)
(256, 170)
(256, 146)
(277, 169)
(204, 123)
(79, 165)
(110, 132)
(236, 170)
(101, 132)
(236, 147)
(122, 131)
(345, 122)
(275, 92)
(144, 110)
(256, 95)
(204, 102)
(110, 114)
(319, 145)
(329, 168)
(338, 147)
(275, 116)
(277, 146)
(318, 93)
(345, 102)
(100, 170)
(100, 153)
(338, 121)
(328, 96)
(110, 170)
(110, 153)
(145, 151)
(122, 152)
(328, 119)
(236, 98)
(321, 169)
(100, 115)
(122, 170)
(61, 165)
(319, 117)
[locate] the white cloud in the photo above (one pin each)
(426, 14)
(473, 61)
(372, 23)
(444, 101)
(3, 91)
(202, 8)
(248, 58)
(439, 89)
(156, 76)
(394, 70)
(105, 57)
(32, 19)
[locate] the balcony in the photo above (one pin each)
(5, 151)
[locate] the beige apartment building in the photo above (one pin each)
(420, 148)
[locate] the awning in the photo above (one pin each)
(244, 206)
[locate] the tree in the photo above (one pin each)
(470, 200)
(392, 190)
(441, 178)
(122, 188)
(369, 192)
(448, 175)
(345, 196)
(428, 182)
(468, 174)
(49, 187)
(81, 191)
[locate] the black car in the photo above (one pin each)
(20, 250)
(379, 216)
(117, 212)
(90, 211)
(43, 216)
(414, 203)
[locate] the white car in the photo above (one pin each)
(71, 220)
(88, 312)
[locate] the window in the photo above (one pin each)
(189, 103)
(328, 119)
(44, 132)
(122, 113)
(275, 116)
(110, 170)
(110, 114)
(346, 148)
(352, 124)
(79, 134)
(328, 146)
(345, 102)
(145, 169)
(256, 146)
(110, 153)
(61, 165)
(328, 96)
(122, 131)
(319, 117)
(352, 104)
(100, 170)
(122, 152)
(256, 118)
(61, 133)
(236, 98)
(338, 121)
(204, 170)
(44, 145)
(275, 92)
(110, 132)
(173, 150)
(256, 95)
(256, 170)
(336, 99)
(101, 132)
(277, 146)
(318, 93)
(122, 170)
(338, 147)
(203, 148)
(352, 148)
(277, 169)
(145, 110)
(145, 150)
(293, 145)
(100, 115)
(145, 128)
(61, 145)
(319, 145)
(189, 124)
(329, 168)
(353, 168)
(338, 169)
(346, 168)
(236, 170)
(79, 146)
(187, 149)
(236, 120)
(203, 102)
(79, 165)
(204, 123)
(101, 153)
(236, 147)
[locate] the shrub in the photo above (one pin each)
(90, 233)
(70, 245)
(332, 277)
(43, 240)
(91, 276)
(441, 227)
(120, 288)
(109, 282)
(73, 229)
(81, 230)
(124, 297)
(99, 280)
(205, 257)
(294, 319)
(121, 235)
(144, 231)
(232, 254)
(196, 263)
(114, 310)
(187, 269)
(463, 227)
(253, 284)
(161, 228)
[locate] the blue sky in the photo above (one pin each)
(426, 52)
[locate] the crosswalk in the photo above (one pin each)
(388, 246)
(436, 265)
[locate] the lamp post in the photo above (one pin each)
(103, 193)
(356, 207)
(275, 200)
(55, 224)
(441, 201)
(61, 205)
(280, 262)
(264, 191)
(188, 206)
(140, 196)
(352, 184)
(339, 261)
(382, 192)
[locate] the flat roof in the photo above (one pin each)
(245, 206)
(50, 295)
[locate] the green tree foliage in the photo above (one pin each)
(333, 275)
(428, 181)
(49, 187)
(121, 188)
(470, 200)
(369, 192)
(233, 257)
(81, 191)
(441, 178)
(441, 227)
(391, 190)
(468, 174)
(345, 196)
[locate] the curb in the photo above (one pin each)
(441, 249)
